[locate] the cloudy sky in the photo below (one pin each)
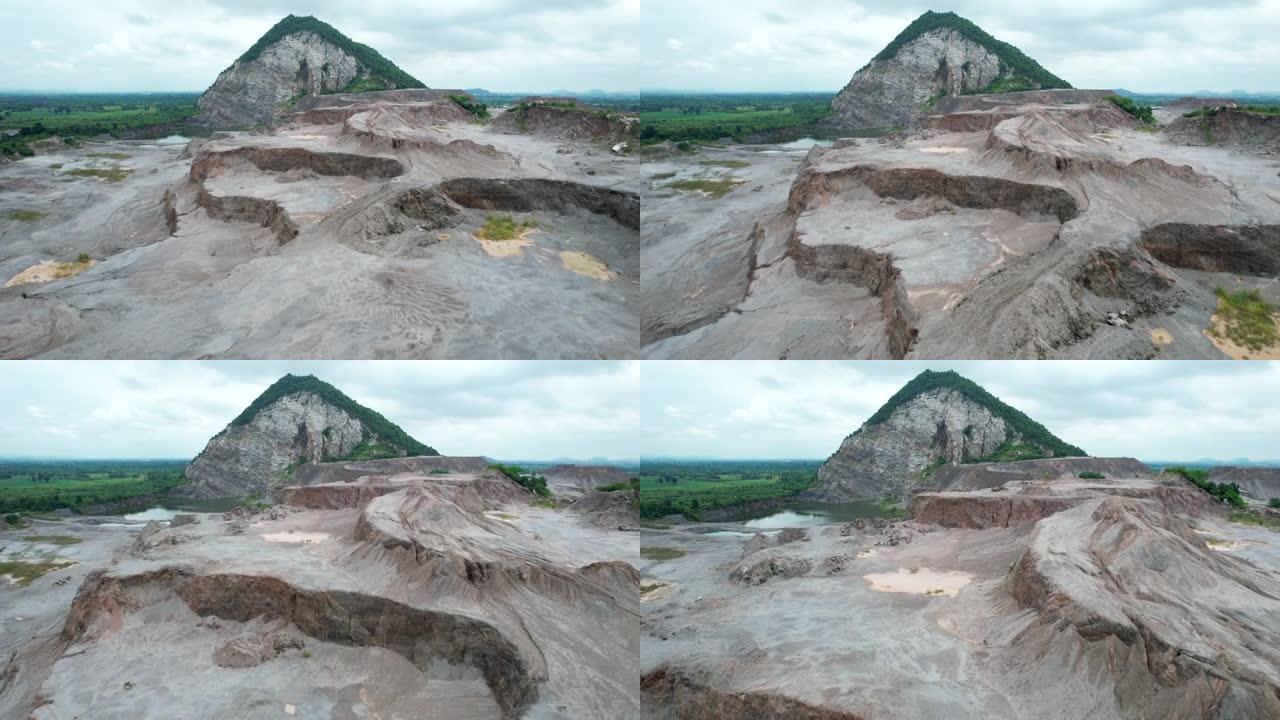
(515, 45)
(512, 45)
(505, 410)
(1149, 410)
(548, 410)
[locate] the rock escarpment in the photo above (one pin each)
(296, 420)
(1260, 482)
(936, 417)
(565, 119)
(297, 57)
(939, 54)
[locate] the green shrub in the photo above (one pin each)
(471, 105)
(1228, 493)
(1091, 475)
(632, 484)
(520, 476)
(1141, 112)
(1274, 502)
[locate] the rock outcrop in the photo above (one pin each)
(565, 119)
(574, 480)
(297, 57)
(296, 420)
(1260, 482)
(939, 54)
(936, 417)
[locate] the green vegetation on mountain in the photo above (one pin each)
(1228, 493)
(1210, 111)
(1011, 58)
(471, 105)
(1032, 434)
(380, 432)
(380, 73)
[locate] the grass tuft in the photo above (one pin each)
(715, 188)
(661, 553)
(504, 227)
(1247, 319)
(26, 215)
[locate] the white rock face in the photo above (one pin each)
(244, 459)
(890, 93)
(258, 91)
(887, 459)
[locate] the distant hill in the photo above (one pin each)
(298, 56)
(937, 55)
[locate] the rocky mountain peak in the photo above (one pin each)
(298, 56)
(297, 419)
(939, 54)
(936, 418)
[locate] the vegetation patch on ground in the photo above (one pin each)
(24, 573)
(661, 553)
(633, 484)
(61, 540)
(690, 488)
(1252, 518)
(1091, 475)
(1141, 112)
(1246, 320)
(471, 105)
(25, 215)
(505, 227)
(734, 164)
(716, 188)
(113, 174)
(710, 117)
(524, 478)
(1228, 493)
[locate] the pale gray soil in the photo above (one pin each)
(542, 606)
(1010, 231)
(224, 275)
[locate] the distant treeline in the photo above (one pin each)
(737, 116)
(33, 485)
(39, 116)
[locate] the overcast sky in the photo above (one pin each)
(1148, 410)
(548, 410)
(504, 410)
(516, 45)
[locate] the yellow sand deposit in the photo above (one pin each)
(48, 271)
(585, 264)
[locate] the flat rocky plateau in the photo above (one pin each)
(384, 594)
(1048, 597)
(348, 231)
(1027, 225)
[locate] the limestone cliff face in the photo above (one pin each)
(258, 91)
(244, 459)
(891, 93)
(889, 458)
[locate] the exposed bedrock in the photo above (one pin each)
(1226, 126)
(1262, 483)
(530, 194)
(346, 618)
(265, 213)
(284, 159)
(1002, 509)
(1129, 594)
(314, 473)
(864, 268)
(672, 694)
(1031, 202)
(983, 476)
(1125, 274)
(1241, 250)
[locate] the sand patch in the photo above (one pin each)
(944, 150)
(503, 516)
(506, 248)
(296, 537)
(1218, 336)
(1160, 336)
(49, 271)
(585, 264)
(653, 590)
(919, 581)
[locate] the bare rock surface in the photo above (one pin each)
(1261, 483)
(1135, 597)
(574, 480)
(346, 229)
(451, 593)
(1020, 225)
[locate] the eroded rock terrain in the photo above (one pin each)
(1127, 597)
(1041, 224)
(397, 593)
(352, 228)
